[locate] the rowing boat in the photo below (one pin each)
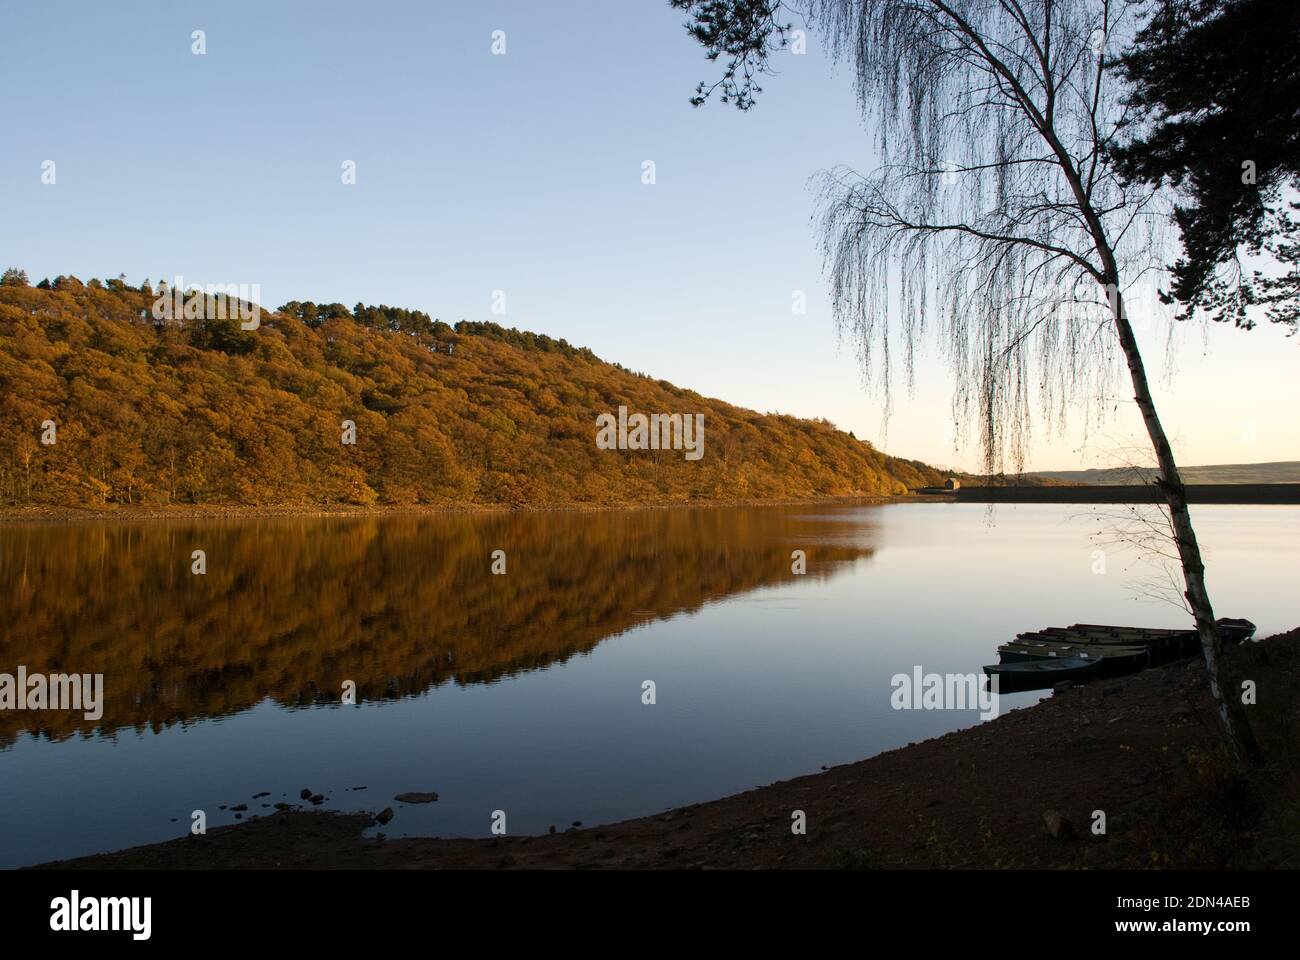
(1040, 658)
(1045, 672)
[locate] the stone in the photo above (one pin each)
(416, 797)
(1057, 825)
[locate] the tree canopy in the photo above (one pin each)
(205, 412)
(1219, 83)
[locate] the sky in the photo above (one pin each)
(522, 172)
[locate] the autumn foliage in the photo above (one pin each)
(204, 412)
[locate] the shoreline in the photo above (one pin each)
(55, 514)
(1144, 749)
(1247, 495)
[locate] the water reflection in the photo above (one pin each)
(761, 675)
(290, 609)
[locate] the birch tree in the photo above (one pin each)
(995, 219)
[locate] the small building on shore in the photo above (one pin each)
(951, 485)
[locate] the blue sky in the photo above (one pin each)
(520, 173)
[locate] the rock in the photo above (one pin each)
(1061, 686)
(239, 807)
(284, 806)
(304, 793)
(384, 815)
(259, 796)
(577, 823)
(416, 797)
(1057, 825)
(551, 828)
(316, 799)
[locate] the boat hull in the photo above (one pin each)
(1041, 673)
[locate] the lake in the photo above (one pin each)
(523, 691)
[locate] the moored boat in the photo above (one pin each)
(1032, 649)
(1043, 672)
(1038, 659)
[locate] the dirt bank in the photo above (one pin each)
(1143, 749)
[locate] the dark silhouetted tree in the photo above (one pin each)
(1219, 81)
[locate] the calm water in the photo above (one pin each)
(522, 692)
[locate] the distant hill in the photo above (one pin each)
(1005, 480)
(192, 411)
(1283, 471)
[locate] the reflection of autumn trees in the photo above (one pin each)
(163, 413)
(289, 609)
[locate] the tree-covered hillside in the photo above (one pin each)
(157, 412)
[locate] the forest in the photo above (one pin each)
(103, 405)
